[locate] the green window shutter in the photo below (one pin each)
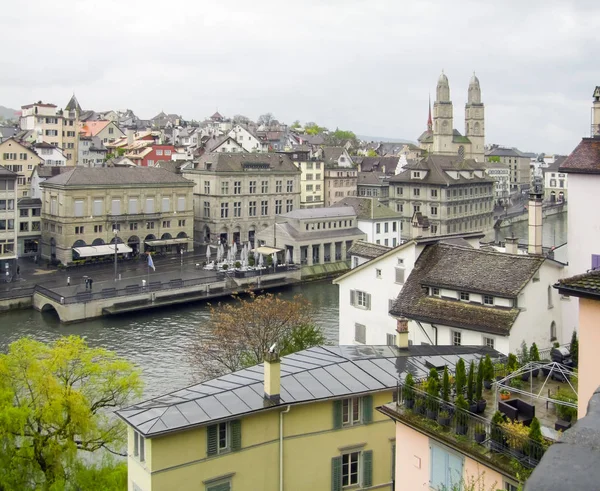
(367, 470)
(211, 440)
(367, 409)
(236, 434)
(337, 414)
(336, 474)
(225, 486)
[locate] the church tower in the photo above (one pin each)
(475, 120)
(442, 118)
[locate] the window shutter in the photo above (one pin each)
(181, 203)
(78, 208)
(367, 409)
(399, 275)
(595, 261)
(437, 476)
(337, 414)
(336, 474)
(236, 434)
(211, 440)
(455, 469)
(368, 295)
(352, 297)
(367, 470)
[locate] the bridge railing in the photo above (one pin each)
(152, 286)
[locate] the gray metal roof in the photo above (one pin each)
(319, 373)
(332, 212)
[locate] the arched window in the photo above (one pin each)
(553, 331)
(550, 305)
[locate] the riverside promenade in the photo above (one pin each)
(176, 280)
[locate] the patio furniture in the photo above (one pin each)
(517, 410)
(561, 425)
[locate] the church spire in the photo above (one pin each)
(429, 120)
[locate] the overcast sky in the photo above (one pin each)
(364, 65)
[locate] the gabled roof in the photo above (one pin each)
(367, 250)
(331, 155)
(504, 152)
(376, 164)
(315, 374)
(586, 285)
(585, 159)
(116, 176)
(554, 166)
(460, 268)
(368, 208)
(372, 179)
(48, 171)
(437, 166)
(92, 128)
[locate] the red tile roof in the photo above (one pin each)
(585, 159)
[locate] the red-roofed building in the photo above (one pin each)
(107, 131)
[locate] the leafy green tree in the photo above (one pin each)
(493, 158)
(461, 377)
(339, 137)
(296, 124)
(489, 369)
(109, 475)
(302, 337)
(372, 153)
(314, 129)
(534, 354)
(512, 363)
(524, 354)
(55, 403)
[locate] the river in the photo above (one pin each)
(157, 341)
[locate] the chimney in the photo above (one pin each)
(596, 113)
(511, 245)
(130, 133)
(535, 220)
(272, 377)
(402, 333)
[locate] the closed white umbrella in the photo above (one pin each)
(207, 253)
(288, 257)
(260, 260)
(274, 259)
(235, 251)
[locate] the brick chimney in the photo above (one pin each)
(511, 245)
(535, 220)
(402, 333)
(272, 377)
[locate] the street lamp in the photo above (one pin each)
(115, 231)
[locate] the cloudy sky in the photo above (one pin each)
(364, 65)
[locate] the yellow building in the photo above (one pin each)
(22, 160)
(305, 422)
(151, 209)
(55, 126)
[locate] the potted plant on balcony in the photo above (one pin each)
(488, 372)
(517, 383)
(481, 402)
(566, 413)
(460, 378)
(534, 448)
(444, 417)
(517, 436)
(419, 405)
(446, 387)
(498, 440)
(461, 416)
(524, 361)
(512, 364)
(480, 433)
(534, 355)
(471, 388)
(409, 392)
(574, 349)
(505, 394)
(499, 370)
(433, 392)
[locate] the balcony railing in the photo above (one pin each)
(472, 434)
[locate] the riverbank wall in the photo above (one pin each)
(547, 211)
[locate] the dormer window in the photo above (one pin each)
(464, 296)
(435, 292)
(488, 300)
(416, 175)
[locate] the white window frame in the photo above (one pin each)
(352, 411)
(489, 342)
(464, 296)
(435, 292)
(361, 299)
(378, 274)
(456, 338)
(348, 458)
(488, 297)
(139, 446)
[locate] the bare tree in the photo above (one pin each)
(242, 331)
(265, 119)
(241, 119)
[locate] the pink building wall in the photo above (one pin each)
(589, 341)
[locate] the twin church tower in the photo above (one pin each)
(441, 138)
